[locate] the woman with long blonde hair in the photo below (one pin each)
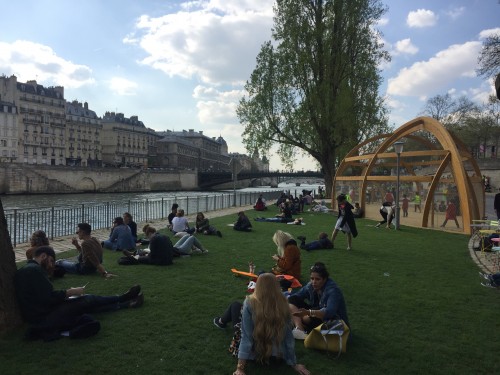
(288, 255)
(266, 327)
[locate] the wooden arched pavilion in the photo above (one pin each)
(433, 162)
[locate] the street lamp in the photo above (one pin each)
(398, 148)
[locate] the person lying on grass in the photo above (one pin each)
(284, 217)
(49, 311)
(266, 327)
(323, 242)
(325, 301)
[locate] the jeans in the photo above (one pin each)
(185, 244)
(74, 267)
(232, 313)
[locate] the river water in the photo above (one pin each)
(35, 201)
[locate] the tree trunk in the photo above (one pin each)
(9, 312)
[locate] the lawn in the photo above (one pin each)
(413, 298)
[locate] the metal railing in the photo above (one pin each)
(63, 220)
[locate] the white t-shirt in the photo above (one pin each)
(179, 224)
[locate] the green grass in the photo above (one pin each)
(429, 315)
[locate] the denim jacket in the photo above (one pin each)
(286, 349)
(331, 301)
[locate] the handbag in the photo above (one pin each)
(330, 336)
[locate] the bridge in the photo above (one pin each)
(207, 180)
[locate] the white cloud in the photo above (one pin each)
(456, 12)
(489, 32)
(427, 77)
(405, 46)
(383, 21)
(28, 60)
(122, 86)
(215, 41)
(421, 18)
(217, 107)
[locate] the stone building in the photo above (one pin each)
(125, 141)
(41, 120)
(8, 132)
(191, 150)
(83, 129)
(253, 163)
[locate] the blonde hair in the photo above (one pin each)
(270, 315)
(280, 238)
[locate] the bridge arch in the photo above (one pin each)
(86, 184)
(434, 162)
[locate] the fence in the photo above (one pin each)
(62, 221)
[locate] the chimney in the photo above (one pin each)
(86, 105)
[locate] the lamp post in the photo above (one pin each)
(398, 148)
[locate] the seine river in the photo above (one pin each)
(52, 200)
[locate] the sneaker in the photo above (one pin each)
(218, 323)
(485, 276)
(219, 233)
(298, 334)
(488, 285)
(348, 248)
(131, 293)
(377, 226)
(204, 251)
(138, 302)
(196, 251)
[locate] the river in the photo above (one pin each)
(11, 202)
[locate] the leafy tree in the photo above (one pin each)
(489, 57)
(9, 314)
(315, 86)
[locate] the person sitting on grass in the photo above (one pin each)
(89, 254)
(120, 238)
(38, 238)
(160, 251)
(172, 214)
(49, 311)
(127, 219)
(260, 205)
(180, 223)
(288, 255)
(317, 302)
(203, 226)
(266, 327)
(243, 223)
(323, 242)
(284, 217)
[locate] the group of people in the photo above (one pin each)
(269, 322)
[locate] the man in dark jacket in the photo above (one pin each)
(51, 311)
(496, 205)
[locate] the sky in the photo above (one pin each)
(182, 65)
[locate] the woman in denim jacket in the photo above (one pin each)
(266, 327)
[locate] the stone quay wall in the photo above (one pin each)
(42, 179)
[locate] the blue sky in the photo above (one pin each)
(182, 65)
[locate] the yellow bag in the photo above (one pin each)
(330, 336)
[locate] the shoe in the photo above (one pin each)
(204, 251)
(196, 251)
(488, 285)
(348, 248)
(131, 294)
(219, 233)
(218, 323)
(485, 276)
(298, 334)
(302, 238)
(377, 226)
(138, 302)
(129, 253)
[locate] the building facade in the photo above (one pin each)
(125, 141)
(191, 150)
(40, 121)
(83, 129)
(8, 132)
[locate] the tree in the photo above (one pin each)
(9, 314)
(489, 57)
(315, 86)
